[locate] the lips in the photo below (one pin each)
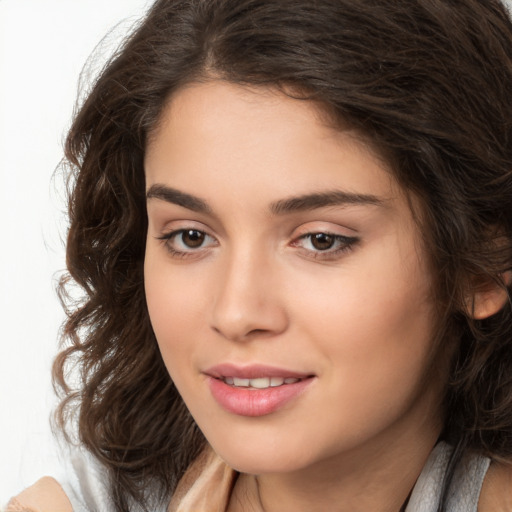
(255, 390)
(252, 371)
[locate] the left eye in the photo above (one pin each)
(325, 242)
(322, 241)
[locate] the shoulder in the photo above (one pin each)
(46, 495)
(496, 495)
(81, 484)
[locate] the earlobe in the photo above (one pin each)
(488, 298)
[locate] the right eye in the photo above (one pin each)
(183, 242)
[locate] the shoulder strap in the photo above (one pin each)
(46, 495)
(464, 491)
(206, 485)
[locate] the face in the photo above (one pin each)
(286, 282)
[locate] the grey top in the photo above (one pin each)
(466, 485)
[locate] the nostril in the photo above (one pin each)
(241, 335)
(257, 332)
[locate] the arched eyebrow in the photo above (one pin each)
(174, 196)
(323, 199)
(281, 207)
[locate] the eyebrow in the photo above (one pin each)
(323, 199)
(283, 206)
(171, 195)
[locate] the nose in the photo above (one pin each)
(248, 303)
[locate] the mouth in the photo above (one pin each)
(256, 390)
(259, 382)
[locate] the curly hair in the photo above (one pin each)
(427, 82)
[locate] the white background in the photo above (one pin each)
(43, 46)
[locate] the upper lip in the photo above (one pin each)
(252, 371)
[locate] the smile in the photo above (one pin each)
(260, 382)
(255, 395)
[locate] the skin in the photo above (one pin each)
(359, 316)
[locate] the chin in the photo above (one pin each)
(262, 457)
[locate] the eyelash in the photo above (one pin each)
(168, 239)
(344, 243)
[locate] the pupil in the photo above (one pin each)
(322, 241)
(193, 238)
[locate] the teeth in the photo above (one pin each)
(243, 383)
(260, 382)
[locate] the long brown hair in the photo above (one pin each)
(427, 82)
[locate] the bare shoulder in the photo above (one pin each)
(496, 495)
(46, 495)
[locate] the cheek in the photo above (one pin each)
(178, 308)
(373, 322)
(376, 352)
(378, 300)
(176, 305)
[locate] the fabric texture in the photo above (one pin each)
(206, 486)
(465, 489)
(208, 483)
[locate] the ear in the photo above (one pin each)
(489, 297)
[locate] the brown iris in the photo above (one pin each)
(192, 238)
(322, 241)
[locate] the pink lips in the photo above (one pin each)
(247, 401)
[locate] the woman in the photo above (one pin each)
(291, 222)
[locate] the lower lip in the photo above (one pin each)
(255, 402)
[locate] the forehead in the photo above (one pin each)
(228, 134)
